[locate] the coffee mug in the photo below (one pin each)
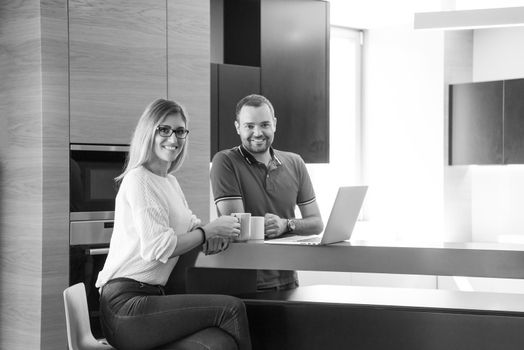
(245, 226)
(257, 228)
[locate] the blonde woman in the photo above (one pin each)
(153, 227)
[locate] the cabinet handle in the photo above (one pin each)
(98, 251)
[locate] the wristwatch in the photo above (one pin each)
(291, 225)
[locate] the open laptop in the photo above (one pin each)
(341, 222)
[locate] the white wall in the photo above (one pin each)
(458, 68)
(498, 53)
(404, 123)
(498, 191)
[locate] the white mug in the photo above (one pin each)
(257, 228)
(245, 226)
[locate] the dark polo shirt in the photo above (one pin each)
(276, 189)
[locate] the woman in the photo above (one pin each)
(153, 227)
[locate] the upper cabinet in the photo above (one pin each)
(487, 123)
(230, 84)
(188, 80)
(294, 64)
(118, 65)
(280, 49)
(476, 123)
(514, 121)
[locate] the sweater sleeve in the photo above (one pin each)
(157, 240)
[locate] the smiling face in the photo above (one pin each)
(166, 149)
(256, 127)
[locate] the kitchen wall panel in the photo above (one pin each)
(189, 83)
(33, 173)
(118, 65)
(55, 171)
(20, 176)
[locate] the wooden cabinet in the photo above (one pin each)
(117, 52)
(126, 53)
(487, 122)
(188, 82)
(476, 123)
(230, 84)
(294, 64)
(289, 42)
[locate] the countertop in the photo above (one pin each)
(444, 259)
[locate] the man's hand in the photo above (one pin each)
(274, 225)
(215, 245)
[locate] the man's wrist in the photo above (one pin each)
(291, 225)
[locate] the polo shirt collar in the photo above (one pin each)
(251, 159)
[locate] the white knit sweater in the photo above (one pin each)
(150, 212)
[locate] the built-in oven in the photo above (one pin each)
(93, 169)
(92, 207)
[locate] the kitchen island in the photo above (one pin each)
(441, 259)
(356, 317)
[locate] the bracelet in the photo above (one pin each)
(203, 234)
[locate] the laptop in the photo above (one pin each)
(341, 222)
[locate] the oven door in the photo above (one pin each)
(93, 190)
(85, 262)
(88, 248)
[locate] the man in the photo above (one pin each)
(257, 179)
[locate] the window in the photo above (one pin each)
(345, 166)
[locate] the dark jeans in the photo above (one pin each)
(136, 315)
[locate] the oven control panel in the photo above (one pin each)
(90, 232)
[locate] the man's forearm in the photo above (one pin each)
(308, 226)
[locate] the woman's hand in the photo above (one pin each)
(224, 226)
(215, 245)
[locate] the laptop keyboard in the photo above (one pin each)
(312, 239)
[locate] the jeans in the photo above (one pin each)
(137, 315)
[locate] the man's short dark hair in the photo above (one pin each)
(253, 100)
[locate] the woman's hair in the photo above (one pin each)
(142, 144)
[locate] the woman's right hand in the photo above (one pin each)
(224, 226)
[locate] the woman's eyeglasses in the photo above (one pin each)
(166, 131)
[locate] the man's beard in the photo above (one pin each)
(258, 148)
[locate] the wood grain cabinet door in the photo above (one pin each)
(230, 83)
(189, 83)
(118, 65)
(294, 60)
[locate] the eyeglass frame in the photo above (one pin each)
(173, 131)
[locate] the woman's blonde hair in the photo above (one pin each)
(142, 143)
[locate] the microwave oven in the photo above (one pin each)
(93, 189)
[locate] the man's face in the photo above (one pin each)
(256, 127)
